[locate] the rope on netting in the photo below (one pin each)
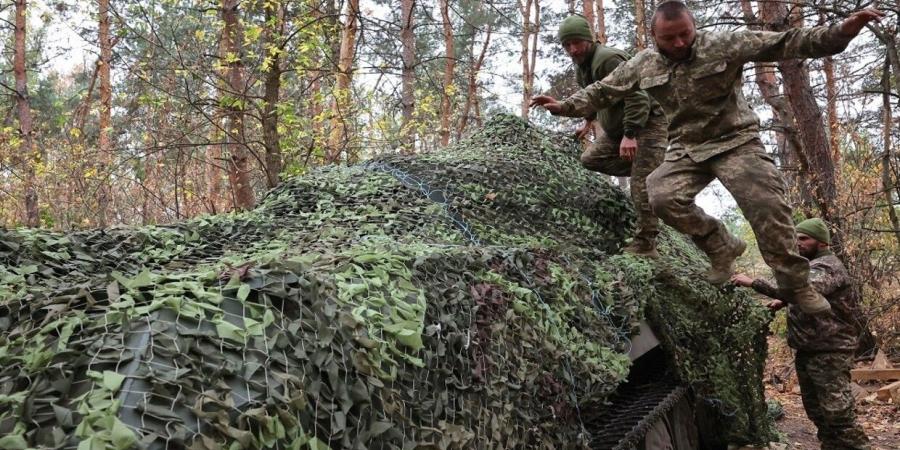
(439, 196)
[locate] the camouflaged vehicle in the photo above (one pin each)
(471, 298)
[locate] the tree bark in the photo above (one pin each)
(886, 180)
(339, 138)
(233, 95)
(26, 152)
(449, 69)
(105, 147)
(408, 77)
(587, 10)
(529, 49)
(601, 22)
(274, 13)
(640, 34)
(214, 174)
(472, 82)
(831, 102)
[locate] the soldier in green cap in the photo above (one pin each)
(696, 76)
(825, 343)
(634, 135)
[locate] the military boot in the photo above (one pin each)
(809, 301)
(641, 246)
(723, 249)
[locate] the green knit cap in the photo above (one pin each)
(816, 229)
(574, 27)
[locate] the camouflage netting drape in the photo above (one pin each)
(471, 298)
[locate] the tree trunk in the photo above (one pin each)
(338, 141)
(886, 180)
(601, 22)
(449, 69)
(105, 191)
(831, 102)
(274, 12)
(587, 10)
(26, 152)
(408, 77)
(214, 175)
(640, 33)
(528, 29)
(314, 78)
(238, 155)
(472, 82)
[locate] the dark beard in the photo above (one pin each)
(810, 254)
(687, 54)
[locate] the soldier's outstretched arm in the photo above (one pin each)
(815, 42)
(604, 93)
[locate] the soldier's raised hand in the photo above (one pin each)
(547, 102)
(852, 25)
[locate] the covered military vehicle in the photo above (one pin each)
(472, 298)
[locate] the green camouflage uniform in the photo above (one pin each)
(635, 112)
(825, 345)
(713, 133)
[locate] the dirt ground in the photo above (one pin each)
(880, 420)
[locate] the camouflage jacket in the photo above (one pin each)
(702, 96)
(630, 112)
(836, 330)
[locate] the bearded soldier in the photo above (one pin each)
(825, 343)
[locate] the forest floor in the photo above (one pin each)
(879, 419)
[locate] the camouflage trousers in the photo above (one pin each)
(603, 156)
(825, 389)
(751, 177)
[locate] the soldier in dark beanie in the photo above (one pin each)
(634, 136)
(825, 343)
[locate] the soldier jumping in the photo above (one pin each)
(634, 139)
(696, 77)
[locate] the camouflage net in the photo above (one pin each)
(470, 298)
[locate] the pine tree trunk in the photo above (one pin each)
(314, 81)
(831, 94)
(341, 106)
(472, 82)
(214, 174)
(408, 76)
(601, 22)
(640, 33)
(238, 156)
(26, 153)
(587, 10)
(886, 180)
(449, 69)
(274, 12)
(105, 147)
(525, 7)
